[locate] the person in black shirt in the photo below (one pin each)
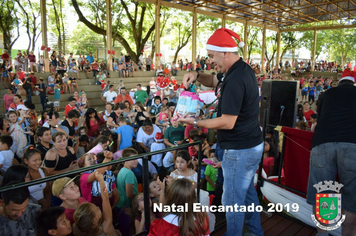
(27, 84)
(334, 147)
(237, 122)
(44, 136)
(69, 122)
(43, 90)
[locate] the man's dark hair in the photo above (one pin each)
(147, 121)
(6, 139)
(40, 130)
(171, 104)
(16, 95)
(157, 97)
(51, 113)
(345, 82)
(17, 196)
(48, 219)
(121, 106)
(111, 86)
(139, 85)
(73, 114)
(123, 88)
(83, 138)
(165, 99)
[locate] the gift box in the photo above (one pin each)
(189, 105)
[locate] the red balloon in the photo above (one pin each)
(48, 49)
(113, 52)
(156, 54)
(109, 52)
(43, 47)
(160, 54)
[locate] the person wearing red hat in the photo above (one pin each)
(156, 146)
(334, 147)
(237, 124)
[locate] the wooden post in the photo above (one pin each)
(223, 21)
(263, 50)
(245, 40)
(109, 34)
(158, 33)
(314, 51)
(194, 38)
(44, 34)
(278, 47)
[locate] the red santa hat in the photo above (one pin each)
(348, 74)
(223, 40)
(159, 137)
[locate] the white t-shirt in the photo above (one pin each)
(157, 159)
(6, 157)
(151, 168)
(110, 96)
(147, 140)
(168, 160)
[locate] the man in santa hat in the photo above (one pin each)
(334, 147)
(237, 124)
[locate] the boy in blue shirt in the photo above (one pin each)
(311, 90)
(125, 134)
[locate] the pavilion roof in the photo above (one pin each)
(279, 14)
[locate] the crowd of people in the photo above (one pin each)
(35, 146)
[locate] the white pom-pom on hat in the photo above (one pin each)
(241, 44)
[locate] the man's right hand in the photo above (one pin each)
(189, 77)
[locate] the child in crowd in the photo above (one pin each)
(162, 119)
(125, 134)
(6, 155)
(65, 189)
(165, 102)
(16, 132)
(57, 97)
(43, 118)
(100, 144)
(157, 192)
(53, 222)
(83, 146)
(185, 168)
(109, 180)
(211, 173)
(168, 161)
(138, 212)
(181, 192)
(126, 181)
(156, 146)
(40, 193)
(311, 91)
(301, 125)
(268, 157)
(89, 220)
(313, 120)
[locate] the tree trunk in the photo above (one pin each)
(63, 30)
(58, 26)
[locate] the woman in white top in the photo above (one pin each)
(39, 193)
(146, 134)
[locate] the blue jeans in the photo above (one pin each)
(28, 95)
(328, 160)
(239, 168)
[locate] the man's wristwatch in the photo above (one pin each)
(195, 124)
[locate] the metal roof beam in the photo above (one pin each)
(327, 27)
